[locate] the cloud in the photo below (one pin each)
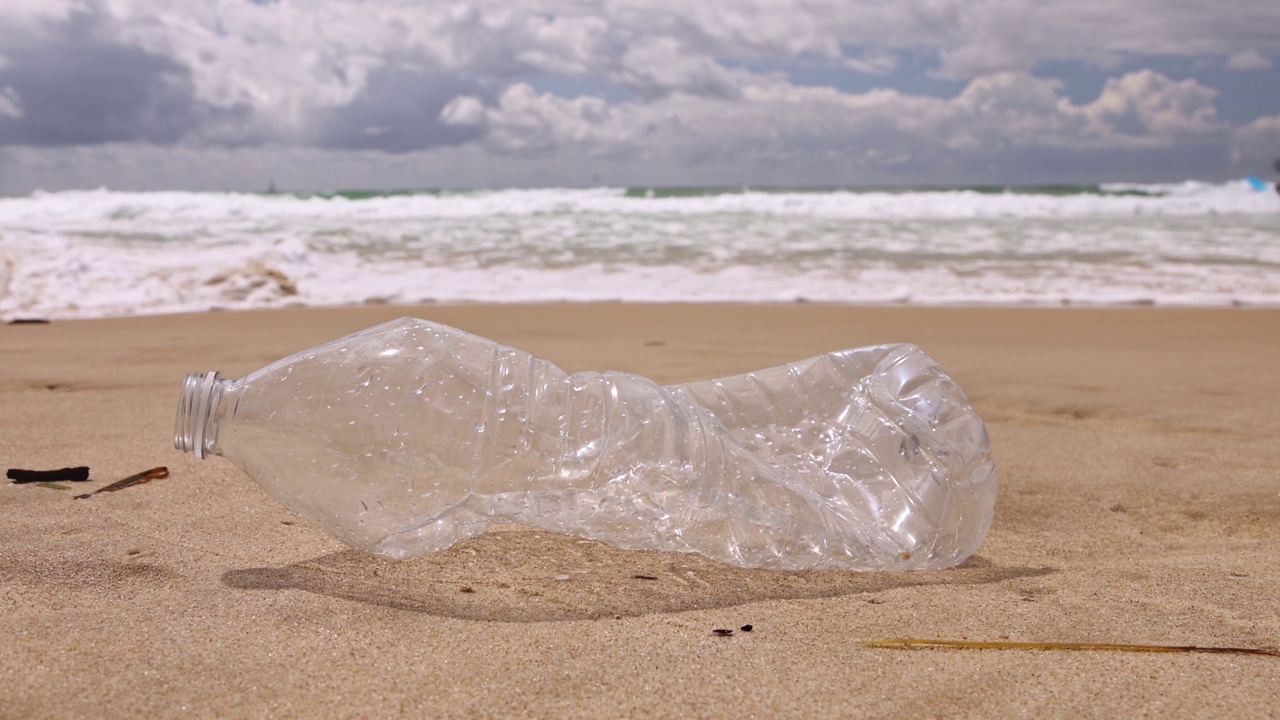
(1148, 104)
(977, 37)
(873, 61)
(525, 122)
(559, 44)
(398, 110)
(1249, 59)
(66, 86)
(1256, 146)
(656, 66)
(463, 110)
(773, 120)
(10, 103)
(278, 66)
(405, 77)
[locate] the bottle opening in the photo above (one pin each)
(194, 407)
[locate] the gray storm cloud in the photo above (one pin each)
(398, 110)
(66, 86)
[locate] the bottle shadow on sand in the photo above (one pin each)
(534, 576)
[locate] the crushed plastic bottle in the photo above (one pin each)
(407, 437)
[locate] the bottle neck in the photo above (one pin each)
(196, 430)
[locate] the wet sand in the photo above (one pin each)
(1139, 454)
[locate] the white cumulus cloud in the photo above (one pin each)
(463, 110)
(1148, 104)
(775, 119)
(10, 104)
(1249, 59)
(1256, 146)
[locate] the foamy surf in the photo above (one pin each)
(103, 253)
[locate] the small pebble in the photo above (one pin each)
(562, 578)
(747, 628)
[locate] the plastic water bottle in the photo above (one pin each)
(407, 437)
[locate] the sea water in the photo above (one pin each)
(104, 253)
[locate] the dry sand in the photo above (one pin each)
(1139, 452)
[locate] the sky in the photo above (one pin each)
(379, 94)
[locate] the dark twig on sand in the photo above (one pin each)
(72, 474)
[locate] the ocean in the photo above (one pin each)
(104, 253)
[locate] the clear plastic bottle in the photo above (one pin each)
(407, 437)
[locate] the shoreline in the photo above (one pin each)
(1138, 503)
(1137, 305)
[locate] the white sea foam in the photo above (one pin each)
(102, 253)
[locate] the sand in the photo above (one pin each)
(1139, 454)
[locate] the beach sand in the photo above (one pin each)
(1139, 455)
